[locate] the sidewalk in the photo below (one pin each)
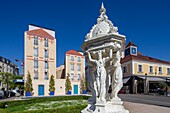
(145, 108)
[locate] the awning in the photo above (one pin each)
(125, 80)
(153, 78)
(19, 80)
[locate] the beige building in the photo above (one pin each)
(143, 74)
(75, 67)
(40, 58)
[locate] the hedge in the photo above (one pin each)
(40, 99)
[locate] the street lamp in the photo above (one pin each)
(146, 84)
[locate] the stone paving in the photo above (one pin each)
(145, 108)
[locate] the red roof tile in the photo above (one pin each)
(73, 52)
(40, 33)
(130, 44)
(143, 58)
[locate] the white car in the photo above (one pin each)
(17, 94)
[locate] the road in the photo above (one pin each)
(146, 99)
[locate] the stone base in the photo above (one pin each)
(108, 107)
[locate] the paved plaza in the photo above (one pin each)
(145, 108)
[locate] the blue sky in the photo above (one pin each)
(144, 22)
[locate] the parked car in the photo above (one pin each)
(12, 93)
(16, 92)
(1, 94)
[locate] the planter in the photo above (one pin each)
(84, 92)
(28, 94)
(51, 93)
(69, 93)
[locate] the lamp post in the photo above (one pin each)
(146, 88)
(166, 87)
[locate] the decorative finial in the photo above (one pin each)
(102, 9)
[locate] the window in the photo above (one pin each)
(46, 42)
(72, 76)
(79, 67)
(46, 64)
(35, 41)
(35, 75)
(78, 59)
(168, 71)
(79, 77)
(150, 69)
(35, 63)
(160, 70)
(139, 68)
(46, 53)
(36, 52)
(72, 67)
(125, 69)
(46, 76)
(72, 58)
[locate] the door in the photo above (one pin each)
(40, 90)
(75, 89)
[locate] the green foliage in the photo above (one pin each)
(7, 79)
(83, 84)
(52, 84)
(68, 84)
(162, 85)
(28, 83)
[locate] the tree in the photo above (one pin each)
(52, 84)
(83, 84)
(28, 83)
(7, 79)
(68, 84)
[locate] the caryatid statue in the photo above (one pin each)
(103, 47)
(101, 75)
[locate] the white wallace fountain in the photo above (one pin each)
(104, 48)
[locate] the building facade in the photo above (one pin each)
(75, 67)
(60, 80)
(40, 58)
(142, 74)
(9, 67)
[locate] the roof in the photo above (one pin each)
(143, 58)
(40, 33)
(130, 44)
(73, 52)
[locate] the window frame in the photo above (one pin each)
(46, 65)
(72, 68)
(46, 75)
(151, 68)
(35, 51)
(46, 53)
(140, 71)
(79, 76)
(168, 71)
(72, 76)
(35, 62)
(78, 67)
(71, 58)
(78, 59)
(35, 40)
(160, 70)
(46, 42)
